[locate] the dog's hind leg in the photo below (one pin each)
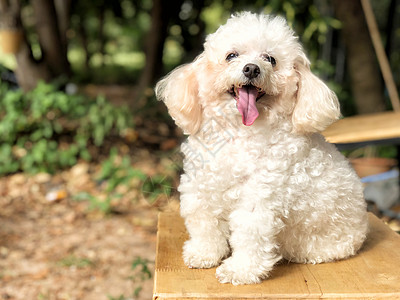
(324, 241)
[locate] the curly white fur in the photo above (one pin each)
(251, 195)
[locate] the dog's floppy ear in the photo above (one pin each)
(180, 92)
(317, 106)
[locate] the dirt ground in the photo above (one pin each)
(53, 247)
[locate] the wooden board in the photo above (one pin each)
(364, 128)
(373, 273)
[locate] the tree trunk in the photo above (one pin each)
(53, 52)
(155, 42)
(29, 72)
(53, 62)
(63, 8)
(161, 14)
(101, 37)
(9, 13)
(193, 44)
(361, 60)
(390, 27)
(83, 36)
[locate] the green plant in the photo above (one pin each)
(74, 261)
(115, 171)
(157, 185)
(43, 296)
(96, 203)
(142, 272)
(121, 297)
(143, 265)
(118, 171)
(140, 267)
(46, 129)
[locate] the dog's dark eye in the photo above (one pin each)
(270, 59)
(231, 56)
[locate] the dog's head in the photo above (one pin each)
(256, 61)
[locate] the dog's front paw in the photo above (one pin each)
(204, 255)
(240, 271)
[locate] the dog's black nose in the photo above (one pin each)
(251, 71)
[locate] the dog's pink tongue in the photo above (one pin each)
(246, 104)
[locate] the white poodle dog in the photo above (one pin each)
(260, 182)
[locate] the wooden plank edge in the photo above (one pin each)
(374, 296)
(156, 263)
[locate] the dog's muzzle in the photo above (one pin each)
(247, 94)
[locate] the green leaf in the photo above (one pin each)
(144, 268)
(41, 119)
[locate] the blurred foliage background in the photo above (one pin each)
(70, 44)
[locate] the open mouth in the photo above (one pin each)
(234, 91)
(246, 97)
